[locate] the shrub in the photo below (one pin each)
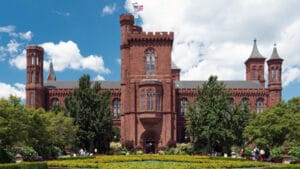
(115, 146)
(294, 152)
(28, 153)
(276, 152)
(32, 165)
(7, 155)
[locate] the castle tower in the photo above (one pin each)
(147, 115)
(274, 77)
(34, 85)
(255, 66)
(51, 74)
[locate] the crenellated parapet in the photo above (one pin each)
(152, 36)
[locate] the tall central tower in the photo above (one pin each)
(147, 118)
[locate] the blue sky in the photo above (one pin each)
(83, 37)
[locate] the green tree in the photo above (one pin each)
(214, 122)
(275, 127)
(90, 108)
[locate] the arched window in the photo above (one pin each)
(37, 60)
(37, 77)
(277, 74)
(183, 106)
(150, 61)
(32, 99)
(54, 102)
(253, 72)
(245, 103)
(32, 59)
(260, 72)
(230, 102)
(150, 101)
(116, 108)
(260, 105)
(272, 74)
(32, 77)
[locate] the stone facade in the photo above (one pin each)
(149, 102)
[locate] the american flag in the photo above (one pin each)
(137, 7)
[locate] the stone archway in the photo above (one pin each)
(150, 141)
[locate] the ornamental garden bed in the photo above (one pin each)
(163, 161)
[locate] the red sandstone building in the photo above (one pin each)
(149, 102)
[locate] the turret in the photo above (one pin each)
(51, 74)
(34, 84)
(274, 76)
(255, 65)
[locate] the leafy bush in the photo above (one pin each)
(28, 153)
(295, 153)
(32, 165)
(276, 152)
(115, 147)
(7, 155)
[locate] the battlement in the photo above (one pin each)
(151, 36)
(34, 47)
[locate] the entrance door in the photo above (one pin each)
(150, 146)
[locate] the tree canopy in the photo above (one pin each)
(90, 107)
(213, 121)
(277, 126)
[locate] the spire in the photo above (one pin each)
(275, 55)
(51, 75)
(255, 53)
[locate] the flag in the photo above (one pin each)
(137, 7)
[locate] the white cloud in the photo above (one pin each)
(109, 9)
(60, 13)
(19, 61)
(17, 89)
(216, 37)
(99, 77)
(119, 61)
(7, 29)
(66, 55)
(13, 46)
(26, 36)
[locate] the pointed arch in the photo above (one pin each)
(259, 105)
(150, 60)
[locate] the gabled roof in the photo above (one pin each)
(242, 84)
(75, 84)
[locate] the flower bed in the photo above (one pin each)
(162, 161)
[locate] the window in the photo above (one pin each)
(37, 60)
(32, 59)
(150, 61)
(277, 74)
(149, 101)
(253, 72)
(54, 102)
(32, 77)
(183, 106)
(158, 102)
(272, 74)
(245, 103)
(143, 101)
(116, 108)
(259, 105)
(32, 99)
(260, 72)
(37, 77)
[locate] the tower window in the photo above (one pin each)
(183, 106)
(253, 72)
(272, 74)
(37, 60)
(157, 101)
(32, 99)
(150, 101)
(116, 108)
(260, 72)
(277, 74)
(150, 61)
(32, 59)
(259, 105)
(32, 77)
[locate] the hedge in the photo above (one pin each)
(24, 165)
